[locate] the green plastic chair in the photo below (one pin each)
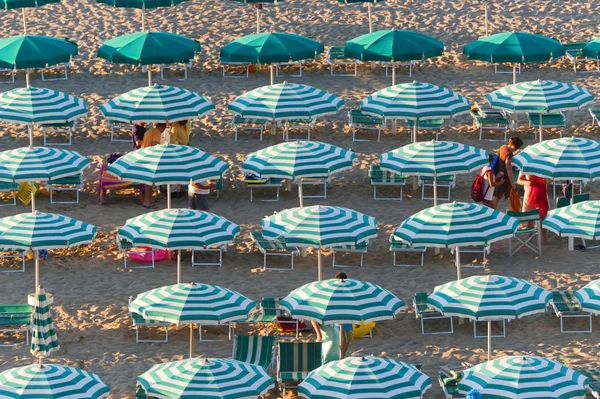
(254, 349)
(295, 360)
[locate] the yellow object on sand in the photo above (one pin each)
(363, 329)
(24, 193)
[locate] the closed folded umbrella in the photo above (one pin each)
(43, 335)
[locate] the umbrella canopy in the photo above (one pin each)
(43, 335)
(149, 48)
(24, 52)
(516, 377)
(589, 297)
(51, 381)
(156, 104)
(31, 105)
(265, 48)
(284, 101)
(581, 220)
(393, 46)
(365, 377)
(592, 49)
(13, 4)
(293, 160)
(516, 47)
(569, 158)
(40, 164)
(141, 3)
(193, 303)
(338, 301)
(205, 378)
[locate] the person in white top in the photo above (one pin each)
(490, 181)
(198, 195)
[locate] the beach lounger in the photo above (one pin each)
(593, 376)
(564, 201)
(446, 182)
(235, 66)
(228, 325)
(63, 70)
(565, 305)
(254, 349)
(273, 248)
(176, 67)
(397, 245)
(15, 318)
(549, 120)
(361, 121)
(428, 124)
(270, 313)
(335, 57)
(497, 70)
(11, 256)
(110, 184)
(10, 188)
(299, 124)
(241, 123)
(449, 379)
(11, 73)
(67, 128)
(294, 361)
(70, 183)
(138, 321)
(424, 312)
(595, 113)
(381, 178)
(119, 127)
(307, 181)
(526, 237)
(574, 52)
(220, 249)
(360, 249)
(126, 248)
(290, 64)
(262, 184)
(486, 118)
(484, 250)
(485, 325)
(389, 65)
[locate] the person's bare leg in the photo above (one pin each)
(495, 202)
(317, 328)
(526, 208)
(147, 195)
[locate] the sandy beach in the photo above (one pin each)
(91, 287)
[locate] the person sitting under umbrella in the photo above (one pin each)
(151, 138)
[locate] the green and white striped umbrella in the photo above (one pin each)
(51, 381)
(156, 104)
(589, 297)
(285, 101)
(569, 158)
(455, 225)
(517, 377)
(177, 229)
(31, 105)
(37, 230)
(205, 378)
(365, 377)
(320, 226)
(581, 220)
(43, 335)
(489, 298)
(338, 301)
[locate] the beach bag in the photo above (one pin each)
(477, 193)
(494, 164)
(515, 201)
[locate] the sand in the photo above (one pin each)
(90, 286)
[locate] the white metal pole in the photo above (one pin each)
(434, 188)
(168, 196)
(485, 8)
(541, 131)
(341, 332)
(27, 72)
(149, 68)
(571, 240)
(192, 340)
(319, 265)
(272, 70)
(415, 131)
(36, 255)
(143, 17)
(30, 131)
(32, 197)
(179, 266)
(457, 254)
(514, 73)
(300, 192)
(370, 21)
(257, 19)
(24, 23)
(394, 122)
(489, 338)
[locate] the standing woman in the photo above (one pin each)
(505, 154)
(536, 197)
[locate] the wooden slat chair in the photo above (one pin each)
(361, 121)
(565, 305)
(274, 248)
(295, 360)
(549, 120)
(428, 124)
(574, 52)
(241, 123)
(67, 128)
(389, 179)
(447, 182)
(335, 57)
(254, 349)
(397, 245)
(70, 183)
(424, 312)
(15, 318)
(486, 118)
(6, 187)
(270, 184)
(360, 249)
(525, 236)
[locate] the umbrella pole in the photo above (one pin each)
(489, 338)
(541, 137)
(257, 20)
(370, 20)
(272, 73)
(341, 338)
(32, 197)
(319, 265)
(192, 340)
(149, 68)
(24, 23)
(415, 131)
(300, 193)
(36, 255)
(27, 71)
(457, 253)
(143, 17)
(434, 188)
(179, 266)
(30, 131)
(514, 73)
(394, 123)
(485, 10)
(571, 240)
(168, 196)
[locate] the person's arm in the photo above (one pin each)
(492, 179)
(509, 170)
(201, 186)
(522, 180)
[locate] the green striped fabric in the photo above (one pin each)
(40, 164)
(206, 378)
(12, 4)
(489, 297)
(337, 301)
(285, 101)
(192, 303)
(31, 51)
(140, 3)
(297, 359)
(43, 335)
(444, 158)
(365, 377)
(589, 297)
(254, 349)
(569, 158)
(393, 45)
(168, 164)
(40, 106)
(325, 226)
(39, 230)
(156, 104)
(540, 95)
(512, 377)
(299, 159)
(456, 224)
(414, 101)
(51, 381)
(581, 220)
(514, 47)
(178, 229)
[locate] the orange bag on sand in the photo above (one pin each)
(515, 201)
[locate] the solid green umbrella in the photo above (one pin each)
(43, 335)
(592, 49)
(27, 52)
(514, 47)
(258, 6)
(14, 4)
(369, 5)
(141, 4)
(268, 48)
(149, 48)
